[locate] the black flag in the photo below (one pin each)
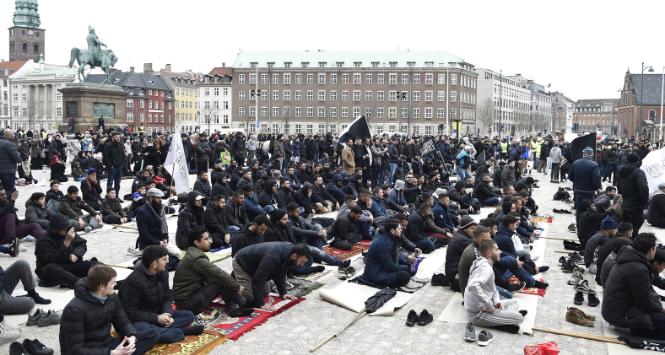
(358, 129)
(578, 144)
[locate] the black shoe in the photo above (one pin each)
(196, 329)
(35, 347)
(240, 312)
(516, 287)
(411, 318)
(523, 312)
(425, 318)
(570, 245)
(440, 280)
(346, 263)
(315, 269)
(540, 284)
(592, 300)
(543, 268)
(16, 348)
(579, 298)
(37, 298)
(513, 329)
(14, 248)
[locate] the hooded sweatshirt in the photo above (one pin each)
(480, 291)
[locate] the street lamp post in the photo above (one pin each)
(662, 93)
(650, 70)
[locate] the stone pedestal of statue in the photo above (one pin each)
(84, 103)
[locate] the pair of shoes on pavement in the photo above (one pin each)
(422, 319)
(568, 265)
(571, 245)
(562, 211)
(43, 318)
(583, 286)
(484, 337)
(576, 316)
(440, 280)
(30, 347)
(592, 300)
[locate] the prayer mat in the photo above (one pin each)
(357, 248)
(234, 328)
(532, 290)
(541, 219)
(319, 275)
(414, 285)
(302, 287)
(192, 344)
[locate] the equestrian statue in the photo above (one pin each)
(94, 56)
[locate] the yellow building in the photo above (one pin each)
(185, 93)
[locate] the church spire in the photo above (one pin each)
(27, 14)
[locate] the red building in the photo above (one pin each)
(639, 106)
(149, 101)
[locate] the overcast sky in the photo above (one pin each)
(581, 47)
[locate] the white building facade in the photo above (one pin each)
(503, 104)
(7, 69)
(215, 105)
(36, 101)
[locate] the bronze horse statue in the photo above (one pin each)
(84, 57)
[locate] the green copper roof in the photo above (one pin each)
(331, 58)
(27, 14)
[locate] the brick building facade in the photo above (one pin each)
(639, 105)
(594, 115)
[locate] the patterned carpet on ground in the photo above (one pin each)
(541, 219)
(216, 320)
(193, 344)
(300, 287)
(357, 248)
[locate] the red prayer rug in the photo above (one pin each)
(534, 291)
(357, 248)
(541, 219)
(234, 328)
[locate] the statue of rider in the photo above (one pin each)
(94, 45)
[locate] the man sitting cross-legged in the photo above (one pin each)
(198, 282)
(146, 298)
(385, 266)
(256, 265)
(85, 328)
(60, 254)
(9, 278)
(482, 300)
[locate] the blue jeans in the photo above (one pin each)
(426, 245)
(145, 340)
(318, 255)
(113, 179)
(505, 294)
(173, 333)
(461, 173)
(491, 201)
(9, 182)
(393, 169)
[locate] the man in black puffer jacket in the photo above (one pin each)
(146, 299)
(190, 217)
(215, 222)
(629, 300)
(463, 236)
(85, 327)
(634, 188)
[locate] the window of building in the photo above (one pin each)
(356, 112)
(275, 95)
(286, 112)
(368, 111)
(416, 79)
(380, 79)
(368, 79)
(429, 79)
(453, 95)
(298, 79)
(275, 112)
(393, 64)
(321, 95)
(428, 112)
(440, 113)
(405, 79)
(298, 95)
(392, 112)
(275, 78)
(287, 64)
(416, 96)
(441, 95)
(379, 112)
(310, 78)
(226, 105)
(453, 79)
(322, 128)
(286, 78)
(405, 112)
(298, 128)
(345, 95)
(416, 112)
(356, 79)
(298, 112)
(216, 90)
(310, 95)
(310, 112)
(392, 79)
(304, 64)
(441, 79)
(252, 79)
(392, 95)
(264, 78)
(286, 95)
(322, 79)
(264, 111)
(241, 95)
(150, 118)
(345, 112)
(130, 116)
(368, 96)
(225, 91)
(25, 48)
(252, 111)
(333, 112)
(379, 96)
(321, 112)
(429, 95)
(333, 95)
(333, 79)
(345, 78)
(356, 95)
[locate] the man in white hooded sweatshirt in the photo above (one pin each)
(481, 299)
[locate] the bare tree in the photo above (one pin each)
(485, 116)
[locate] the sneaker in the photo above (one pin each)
(87, 229)
(425, 318)
(540, 284)
(33, 319)
(570, 245)
(37, 298)
(485, 337)
(576, 317)
(14, 247)
(470, 333)
(579, 298)
(411, 318)
(543, 268)
(592, 300)
(8, 333)
(315, 269)
(16, 348)
(50, 318)
(35, 347)
(583, 286)
(346, 263)
(572, 228)
(29, 239)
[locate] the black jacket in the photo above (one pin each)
(214, 220)
(9, 157)
(150, 232)
(85, 326)
(483, 191)
(656, 216)
(633, 187)
(144, 297)
(189, 218)
(114, 155)
(454, 252)
(243, 239)
(628, 298)
(203, 187)
(264, 262)
(415, 230)
(279, 233)
(36, 214)
(51, 249)
(235, 215)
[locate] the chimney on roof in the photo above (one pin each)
(131, 69)
(147, 68)
(167, 68)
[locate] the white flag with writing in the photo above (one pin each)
(653, 166)
(176, 162)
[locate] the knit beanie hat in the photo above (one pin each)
(624, 227)
(608, 223)
(58, 222)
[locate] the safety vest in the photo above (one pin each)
(535, 146)
(504, 148)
